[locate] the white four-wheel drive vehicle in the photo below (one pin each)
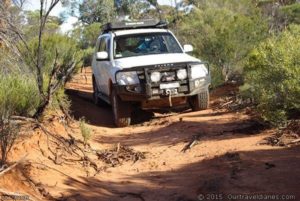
(142, 64)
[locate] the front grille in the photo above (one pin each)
(168, 75)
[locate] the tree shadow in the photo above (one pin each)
(270, 172)
(83, 107)
(185, 131)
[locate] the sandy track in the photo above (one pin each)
(227, 160)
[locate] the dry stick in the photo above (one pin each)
(21, 118)
(15, 195)
(225, 104)
(295, 141)
(13, 166)
(189, 145)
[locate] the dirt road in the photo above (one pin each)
(226, 158)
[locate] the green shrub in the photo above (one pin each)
(223, 32)
(60, 49)
(88, 56)
(273, 75)
(18, 95)
(291, 13)
(64, 47)
(60, 99)
(85, 131)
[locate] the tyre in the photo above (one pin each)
(200, 101)
(96, 99)
(121, 110)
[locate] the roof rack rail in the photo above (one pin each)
(134, 25)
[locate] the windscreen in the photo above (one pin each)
(145, 44)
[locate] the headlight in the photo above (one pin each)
(182, 74)
(198, 71)
(127, 78)
(155, 76)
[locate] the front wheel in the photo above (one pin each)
(122, 110)
(200, 101)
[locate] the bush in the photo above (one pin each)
(223, 32)
(86, 37)
(88, 56)
(60, 100)
(64, 47)
(291, 13)
(273, 76)
(85, 131)
(61, 50)
(18, 95)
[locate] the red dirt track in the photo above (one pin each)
(227, 160)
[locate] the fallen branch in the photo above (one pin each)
(20, 119)
(225, 104)
(13, 166)
(119, 154)
(192, 143)
(189, 145)
(295, 141)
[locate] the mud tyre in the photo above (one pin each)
(200, 101)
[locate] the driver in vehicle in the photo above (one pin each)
(133, 46)
(121, 49)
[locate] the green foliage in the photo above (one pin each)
(272, 75)
(31, 28)
(85, 131)
(59, 48)
(280, 13)
(87, 56)
(59, 51)
(223, 32)
(86, 37)
(18, 95)
(292, 13)
(90, 34)
(101, 11)
(135, 9)
(60, 101)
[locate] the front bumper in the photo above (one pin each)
(147, 91)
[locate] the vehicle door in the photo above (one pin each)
(103, 66)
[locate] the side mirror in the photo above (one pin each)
(188, 48)
(100, 56)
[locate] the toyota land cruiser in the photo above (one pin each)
(142, 64)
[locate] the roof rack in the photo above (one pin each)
(133, 25)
